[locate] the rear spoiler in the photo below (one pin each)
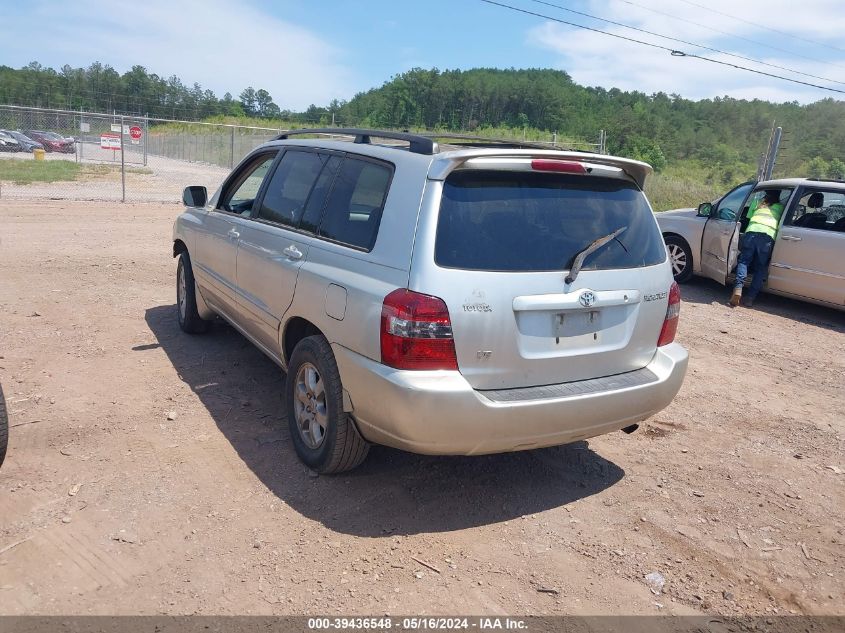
(444, 164)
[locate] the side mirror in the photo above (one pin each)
(704, 209)
(195, 196)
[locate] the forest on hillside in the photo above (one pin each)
(726, 134)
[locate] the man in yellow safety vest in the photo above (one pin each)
(757, 244)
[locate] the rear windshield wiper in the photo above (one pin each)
(592, 248)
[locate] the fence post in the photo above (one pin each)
(146, 136)
(122, 165)
(232, 149)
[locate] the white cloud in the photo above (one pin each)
(224, 45)
(598, 60)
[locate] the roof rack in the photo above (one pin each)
(424, 143)
(418, 144)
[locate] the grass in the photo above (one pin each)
(689, 183)
(25, 172)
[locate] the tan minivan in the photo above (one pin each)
(808, 260)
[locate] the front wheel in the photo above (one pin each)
(324, 436)
(186, 298)
(680, 256)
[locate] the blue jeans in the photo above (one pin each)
(756, 252)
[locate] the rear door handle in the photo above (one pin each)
(233, 234)
(790, 238)
(292, 252)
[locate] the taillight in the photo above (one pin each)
(416, 332)
(670, 323)
(564, 166)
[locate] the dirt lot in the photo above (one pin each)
(151, 472)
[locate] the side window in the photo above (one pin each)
(823, 210)
(286, 195)
(240, 194)
(353, 210)
(729, 206)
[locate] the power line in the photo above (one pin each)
(675, 39)
(673, 52)
(733, 17)
(748, 40)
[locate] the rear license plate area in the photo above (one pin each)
(580, 323)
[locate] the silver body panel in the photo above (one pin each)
(251, 282)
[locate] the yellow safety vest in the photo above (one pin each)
(765, 220)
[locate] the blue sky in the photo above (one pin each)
(306, 52)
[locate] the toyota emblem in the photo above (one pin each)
(587, 298)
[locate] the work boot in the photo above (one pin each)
(749, 302)
(736, 297)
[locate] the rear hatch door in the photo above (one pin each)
(503, 251)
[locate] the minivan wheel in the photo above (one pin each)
(680, 256)
(324, 436)
(186, 298)
(4, 428)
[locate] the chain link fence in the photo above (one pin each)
(96, 156)
(61, 154)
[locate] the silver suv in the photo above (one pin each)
(441, 299)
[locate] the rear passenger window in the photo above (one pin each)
(317, 199)
(353, 211)
(289, 188)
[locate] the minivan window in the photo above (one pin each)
(353, 210)
(530, 222)
(289, 187)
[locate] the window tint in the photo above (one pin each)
(528, 221)
(354, 207)
(240, 195)
(823, 210)
(317, 199)
(286, 195)
(729, 206)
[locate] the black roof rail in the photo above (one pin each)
(417, 144)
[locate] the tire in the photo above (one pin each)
(4, 428)
(186, 298)
(680, 256)
(324, 436)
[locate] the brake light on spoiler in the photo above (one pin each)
(561, 166)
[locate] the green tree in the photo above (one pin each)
(817, 167)
(836, 169)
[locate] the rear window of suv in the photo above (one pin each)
(530, 222)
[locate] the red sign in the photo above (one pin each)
(135, 132)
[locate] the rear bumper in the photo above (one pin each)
(439, 413)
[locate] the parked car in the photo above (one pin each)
(26, 143)
(808, 259)
(8, 143)
(4, 428)
(438, 299)
(51, 141)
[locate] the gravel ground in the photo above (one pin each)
(151, 472)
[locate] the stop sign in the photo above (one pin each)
(135, 132)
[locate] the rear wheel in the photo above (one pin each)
(680, 256)
(186, 299)
(4, 428)
(324, 436)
